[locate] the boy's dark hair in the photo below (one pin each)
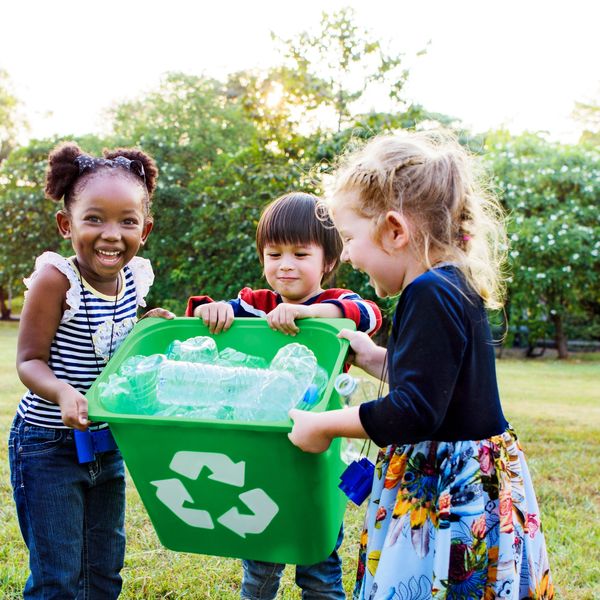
(69, 167)
(297, 218)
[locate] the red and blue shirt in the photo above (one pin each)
(259, 303)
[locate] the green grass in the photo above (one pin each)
(554, 406)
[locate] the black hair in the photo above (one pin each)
(65, 177)
(299, 218)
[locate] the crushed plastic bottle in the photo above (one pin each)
(202, 388)
(345, 386)
(227, 385)
(296, 358)
(116, 395)
(315, 390)
(201, 349)
(354, 391)
(235, 358)
(133, 389)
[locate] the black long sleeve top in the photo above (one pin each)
(441, 367)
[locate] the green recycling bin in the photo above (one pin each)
(232, 488)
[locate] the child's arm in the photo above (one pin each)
(313, 432)
(365, 313)
(427, 354)
(217, 316)
(41, 316)
(333, 303)
(366, 354)
(283, 317)
(158, 313)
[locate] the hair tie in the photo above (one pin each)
(89, 163)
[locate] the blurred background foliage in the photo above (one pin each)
(225, 148)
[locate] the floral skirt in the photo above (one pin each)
(453, 520)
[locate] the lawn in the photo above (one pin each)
(554, 406)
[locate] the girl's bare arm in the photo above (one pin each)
(42, 312)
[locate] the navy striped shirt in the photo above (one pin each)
(74, 357)
(259, 303)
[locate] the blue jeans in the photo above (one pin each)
(71, 516)
(321, 581)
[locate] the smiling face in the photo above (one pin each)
(387, 258)
(106, 224)
(294, 271)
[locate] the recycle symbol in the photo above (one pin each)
(173, 494)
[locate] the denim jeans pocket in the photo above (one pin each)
(33, 439)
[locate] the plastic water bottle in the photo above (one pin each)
(345, 386)
(216, 391)
(133, 389)
(116, 395)
(235, 358)
(228, 386)
(182, 382)
(201, 348)
(353, 391)
(297, 359)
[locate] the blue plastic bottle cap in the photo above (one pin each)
(311, 394)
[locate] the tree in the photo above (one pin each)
(229, 200)
(309, 157)
(225, 149)
(588, 113)
(28, 227)
(551, 192)
(217, 170)
(335, 65)
(10, 122)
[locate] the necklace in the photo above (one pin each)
(87, 317)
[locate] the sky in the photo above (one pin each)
(520, 64)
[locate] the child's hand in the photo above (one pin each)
(217, 316)
(363, 348)
(73, 408)
(283, 317)
(161, 313)
(307, 433)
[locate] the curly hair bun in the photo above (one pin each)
(150, 169)
(62, 171)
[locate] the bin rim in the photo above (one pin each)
(152, 325)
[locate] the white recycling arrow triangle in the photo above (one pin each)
(260, 504)
(190, 464)
(173, 494)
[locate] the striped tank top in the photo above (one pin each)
(82, 343)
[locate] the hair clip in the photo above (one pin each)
(137, 168)
(89, 163)
(84, 163)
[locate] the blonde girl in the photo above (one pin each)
(452, 513)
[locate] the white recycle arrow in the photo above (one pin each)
(190, 464)
(260, 504)
(173, 494)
